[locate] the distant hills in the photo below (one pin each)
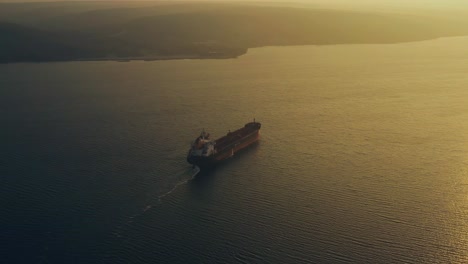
(20, 43)
(38, 32)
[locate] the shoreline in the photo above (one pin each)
(216, 57)
(135, 58)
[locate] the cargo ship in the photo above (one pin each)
(205, 152)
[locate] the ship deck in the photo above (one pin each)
(239, 134)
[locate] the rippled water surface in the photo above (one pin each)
(363, 158)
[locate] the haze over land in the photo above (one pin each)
(58, 31)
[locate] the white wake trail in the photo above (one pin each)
(194, 171)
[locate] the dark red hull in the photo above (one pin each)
(229, 145)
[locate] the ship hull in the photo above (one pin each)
(228, 148)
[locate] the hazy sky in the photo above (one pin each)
(346, 2)
(423, 4)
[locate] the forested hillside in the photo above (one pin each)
(72, 31)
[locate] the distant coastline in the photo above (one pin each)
(166, 57)
(141, 58)
(97, 32)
